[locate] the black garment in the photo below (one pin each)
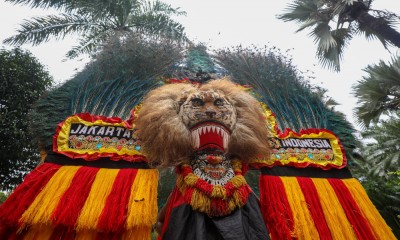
(244, 223)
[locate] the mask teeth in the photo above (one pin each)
(225, 137)
(196, 138)
(204, 129)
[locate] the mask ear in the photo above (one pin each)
(180, 103)
(160, 127)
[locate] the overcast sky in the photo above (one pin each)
(225, 23)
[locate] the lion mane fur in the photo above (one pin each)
(166, 141)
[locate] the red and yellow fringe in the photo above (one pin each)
(77, 202)
(317, 208)
(214, 200)
(371, 214)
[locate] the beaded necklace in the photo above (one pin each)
(213, 200)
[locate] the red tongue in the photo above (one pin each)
(209, 139)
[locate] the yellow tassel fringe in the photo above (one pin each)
(378, 225)
(303, 223)
(335, 216)
(40, 211)
(95, 202)
(142, 210)
(138, 233)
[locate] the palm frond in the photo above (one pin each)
(41, 3)
(383, 154)
(323, 36)
(159, 7)
(341, 6)
(116, 11)
(160, 25)
(371, 33)
(97, 19)
(90, 42)
(308, 23)
(41, 29)
(351, 14)
(378, 92)
(331, 102)
(331, 45)
(300, 11)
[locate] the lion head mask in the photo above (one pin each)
(177, 120)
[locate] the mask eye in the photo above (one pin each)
(197, 102)
(219, 102)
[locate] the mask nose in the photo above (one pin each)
(210, 113)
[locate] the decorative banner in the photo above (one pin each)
(91, 137)
(311, 147)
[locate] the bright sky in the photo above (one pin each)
(226, 23)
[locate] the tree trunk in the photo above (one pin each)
(379, 26)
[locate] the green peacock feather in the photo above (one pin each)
(111, 85)
(117, 80)
(278, 83)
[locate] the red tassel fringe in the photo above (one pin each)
(113, 216)
(314, 206)
(70, 205)
(275, 208)
(350, 207)
(26, 193)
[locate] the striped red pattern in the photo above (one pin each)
(275, 207)
(113, 217)
(26, 193)
(353, 213)
(63, 217)
(278, 214)
(311, 196)
(70, 205)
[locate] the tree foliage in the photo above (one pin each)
(378, 96)
(385, 194)
(23, 80)
(378, 93)
(335, 22)
(383, 153)
(98, 21)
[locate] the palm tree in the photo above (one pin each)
(98, 21)
(379, 92)
(383, 154)
(350, 17)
